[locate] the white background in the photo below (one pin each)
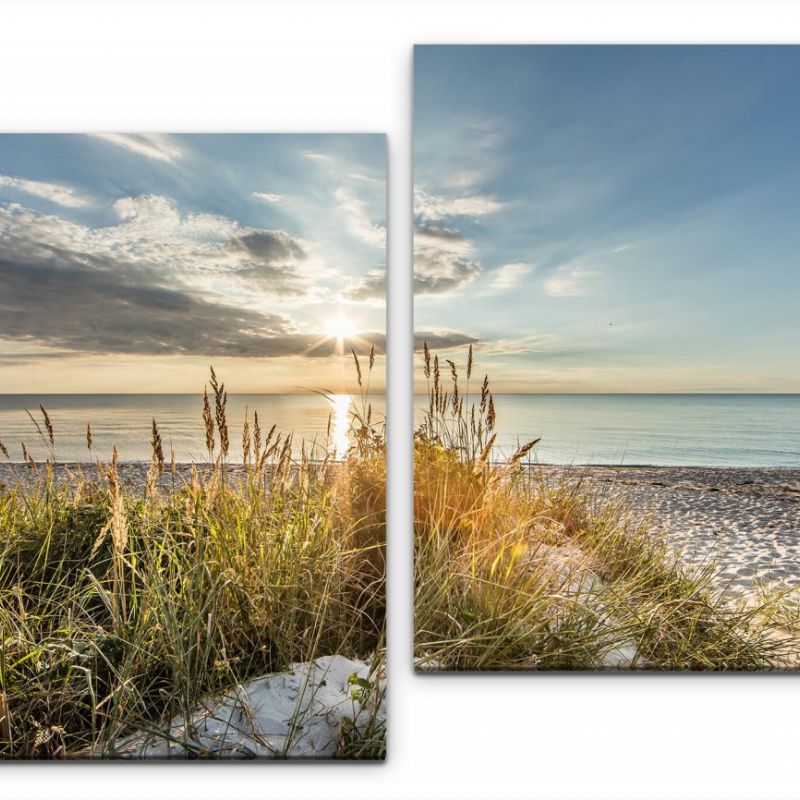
(347, 66)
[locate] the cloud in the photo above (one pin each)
(270, 246)
(429, 235)
(267, 197)
(568, 281)
(317, 157)
(433, 208)
(158, 282)
(464, 179)
(370, 289)
(157, 146)
(438, 271)
(54, 192)
(442, 339)
(360, 223)
(509, 275)
(363, 177)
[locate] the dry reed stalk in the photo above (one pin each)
(282, 468)
(208, 423)
(4, 451)
(268, 449)
(454, 377)
(220, 402)
(246, 443)
(256, 437)
(28, 458)
(89, 439)
(48, 426)
(358, 365)
(522, 451)
(156, 461)
(483, 459)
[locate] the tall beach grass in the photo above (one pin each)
(514, 571)
(121, 608)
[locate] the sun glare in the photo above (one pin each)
(340, 328)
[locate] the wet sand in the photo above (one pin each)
(746, 521)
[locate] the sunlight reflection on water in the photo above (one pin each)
(340, 424)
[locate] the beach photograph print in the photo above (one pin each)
(192, 443)
(607, 391)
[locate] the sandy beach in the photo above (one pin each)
(745, 521)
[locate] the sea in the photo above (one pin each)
(715, 430)
(736, 430)
(124, 421)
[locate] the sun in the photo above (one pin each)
(340, 327)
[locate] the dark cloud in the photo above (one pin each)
(441, 340)
(92, 304)
(277, 280)
(271, 247)
(438, 234)
(143, 290)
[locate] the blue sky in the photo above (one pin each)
(611, 218)
(131, 261)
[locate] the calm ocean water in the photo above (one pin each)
(661, 429)
(125, 420)
(702, 430)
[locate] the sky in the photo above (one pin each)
(133, 262)
(610, 219)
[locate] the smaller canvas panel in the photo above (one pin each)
(192, 478)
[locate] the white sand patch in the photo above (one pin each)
(300, 713)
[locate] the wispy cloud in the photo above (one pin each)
(157, 146)
(267, 197)
(569, 281)
(509, 275)
(363, 177)
(311, 156)
(54, 192)
(433, 208)
(464, 179)
(360, 223)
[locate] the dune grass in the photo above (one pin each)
(515, 571)
(121, 608)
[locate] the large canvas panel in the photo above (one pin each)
(607, 450)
